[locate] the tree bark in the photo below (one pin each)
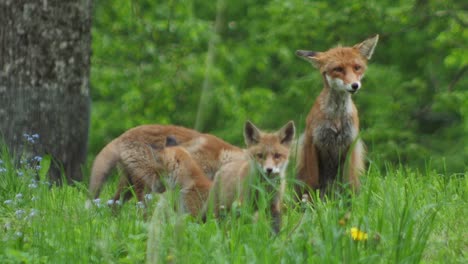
(44, 80)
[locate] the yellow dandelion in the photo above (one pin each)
(358, 235)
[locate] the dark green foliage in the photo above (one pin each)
(149, 65)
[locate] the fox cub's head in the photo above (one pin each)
(269, 150)
(342, 67)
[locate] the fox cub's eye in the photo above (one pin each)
(338, 69)
(277, 156)
(259, 155)
(357, 67)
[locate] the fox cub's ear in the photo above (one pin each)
(366, 48)
(286, 133)
(310, 56)
(251, 134)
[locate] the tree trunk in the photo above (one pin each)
(44, 80)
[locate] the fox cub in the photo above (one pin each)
(264, 162)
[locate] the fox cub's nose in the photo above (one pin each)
(269, 170)
(355, 86)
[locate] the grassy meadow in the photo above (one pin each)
(400, 216)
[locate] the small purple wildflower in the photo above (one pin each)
(20, 173)
(140, 204)
(19, 196)
(32, 185)
(2, 169)
(31, 138)
(19, 213)
(37, 158)
(7, 202)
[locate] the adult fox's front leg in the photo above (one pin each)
(356, 165)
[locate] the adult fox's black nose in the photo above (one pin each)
(355, 86)
(269, 170)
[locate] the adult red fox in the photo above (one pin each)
(331, 149)
(132, 151)
(265, 161)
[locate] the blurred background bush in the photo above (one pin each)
(153, 60)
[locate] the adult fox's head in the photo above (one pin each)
(269, 150)
(342, 67)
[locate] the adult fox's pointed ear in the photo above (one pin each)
(286, 133)
(251, 134)
(310, 56)
(366, 48)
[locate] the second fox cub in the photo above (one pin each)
(265, 162)
(184, 174)
(331, 147)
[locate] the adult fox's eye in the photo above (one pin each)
(277, 156)
(357, 67)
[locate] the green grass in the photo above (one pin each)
(409, 217)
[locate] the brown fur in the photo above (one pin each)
(267, 152)
(184, 173)
(331, 149)
(132, 151)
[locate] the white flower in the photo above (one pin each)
(33, 212)
(148, 196)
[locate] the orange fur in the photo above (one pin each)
(331, 150)
(184, 173)
(266, 156)
(132, 151)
